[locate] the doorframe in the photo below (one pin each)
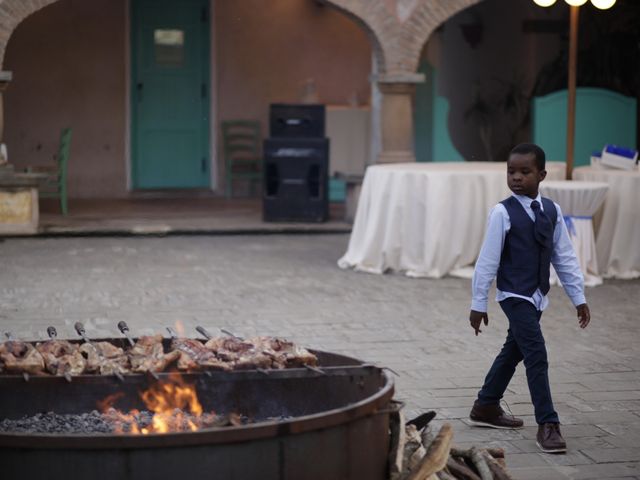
(213, 91)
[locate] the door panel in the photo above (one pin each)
(170, 108)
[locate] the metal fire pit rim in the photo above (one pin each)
(219, 375)
(378, 403)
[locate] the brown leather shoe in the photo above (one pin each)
(549, 439)
(492, 416)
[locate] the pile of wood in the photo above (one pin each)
(417, 454)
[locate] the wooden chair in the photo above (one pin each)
(241, 141)
(55, 184)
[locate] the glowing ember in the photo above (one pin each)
(173, 407)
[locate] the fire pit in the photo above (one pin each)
(326, 422)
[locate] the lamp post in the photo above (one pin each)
(573, 61)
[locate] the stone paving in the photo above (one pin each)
(291, 286)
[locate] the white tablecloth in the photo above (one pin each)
(618, 227)
(579, 201)
(426, 219)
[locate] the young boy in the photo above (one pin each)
(525, 234)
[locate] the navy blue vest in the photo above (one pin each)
(524, 264)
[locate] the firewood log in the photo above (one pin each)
(427, 436)
(397, 442)
(444, 475)
(498, 471)
(437, 455)
(414, 450)
(460, 470)
(480, 463)
(494, 452)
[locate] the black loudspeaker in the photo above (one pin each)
(296, 121)
(296, 180)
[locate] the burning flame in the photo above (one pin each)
(168, 401)
(179, 326)
(174, 404)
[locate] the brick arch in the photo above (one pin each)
(396, 44)
(423, 21)
(399, 42)
(357, 11)
(12, 12)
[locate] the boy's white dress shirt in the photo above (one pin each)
(563, 259)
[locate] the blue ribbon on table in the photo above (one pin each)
(568, 220)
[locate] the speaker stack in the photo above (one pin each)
(296, 165)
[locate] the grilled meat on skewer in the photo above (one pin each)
(240, 354)
(21, 357)
(147, 355)
(105, 358)
(62, 357)
(195, 356)
(284, 353)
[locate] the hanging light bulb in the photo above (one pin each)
(603, 4)
(576, 3)
(544, 3)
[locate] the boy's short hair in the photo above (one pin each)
(526, 148)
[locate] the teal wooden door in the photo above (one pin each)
(170, 89)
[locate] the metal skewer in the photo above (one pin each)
(315, 369)
(172, 332)
(80, 329)
(203, 331)
(227, 332)
(124, 328)
(52, 332)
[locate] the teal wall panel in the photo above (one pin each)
(337, 190)
(432, 139)
(602, 117)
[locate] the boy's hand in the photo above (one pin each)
(584, 315)
(475, 318)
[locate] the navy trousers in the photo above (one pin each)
(524, 342)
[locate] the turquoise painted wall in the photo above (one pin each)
(602, 117)
(432, 139)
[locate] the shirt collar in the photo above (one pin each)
(526, 201)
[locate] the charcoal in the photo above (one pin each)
(50, 422)
(107, 423)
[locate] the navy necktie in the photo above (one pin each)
(543, 230)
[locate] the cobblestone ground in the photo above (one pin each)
(291, 286)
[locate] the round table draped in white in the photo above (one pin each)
(618, 223)
(426, 219)
(579, 201)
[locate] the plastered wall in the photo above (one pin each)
(69, 66)
(68, 70)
